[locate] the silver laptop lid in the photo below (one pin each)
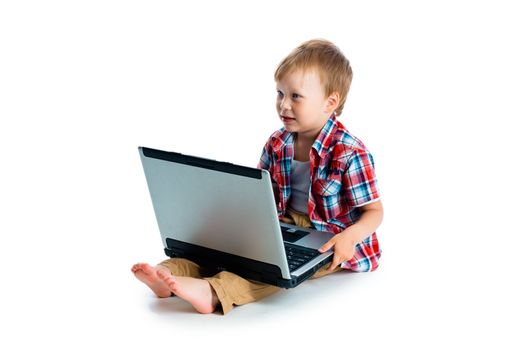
(216, 205)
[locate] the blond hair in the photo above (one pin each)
(332, 66)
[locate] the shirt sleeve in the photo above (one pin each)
(265, 161)
(359, 180)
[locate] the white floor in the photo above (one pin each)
(96, 302)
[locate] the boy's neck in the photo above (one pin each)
(302, 146)
(305, 139)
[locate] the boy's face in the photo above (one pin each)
(301, 103)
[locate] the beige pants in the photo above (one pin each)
(230, 288)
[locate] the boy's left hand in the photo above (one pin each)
(344, 248)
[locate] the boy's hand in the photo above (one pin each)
(344, 242)
(344, 248)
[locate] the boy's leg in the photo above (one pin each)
(324, 271)
(232, 289)
(184, 279)
(182, 267)
(228, 289)
(299, 219)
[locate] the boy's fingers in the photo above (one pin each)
(327, 246)
(335, 262)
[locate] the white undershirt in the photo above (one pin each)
(300, 186)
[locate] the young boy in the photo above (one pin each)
(323, 177)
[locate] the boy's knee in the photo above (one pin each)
(182, 267)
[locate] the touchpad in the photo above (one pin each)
(291, 235)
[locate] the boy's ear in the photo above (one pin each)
(332, 102)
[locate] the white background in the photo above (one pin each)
(438, 97)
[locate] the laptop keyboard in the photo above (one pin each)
(298, 256)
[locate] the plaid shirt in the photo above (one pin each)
(342, 180)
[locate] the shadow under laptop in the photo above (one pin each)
(311, 293)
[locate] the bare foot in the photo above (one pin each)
(197, 292)
(148, 275)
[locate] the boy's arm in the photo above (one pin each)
(345, 241)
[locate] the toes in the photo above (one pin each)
(172, 285)
(163, 274)
(143, 268)
(168, 279)
(136, 267)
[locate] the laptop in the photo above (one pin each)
(223, 217)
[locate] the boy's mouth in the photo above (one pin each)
(286, 118)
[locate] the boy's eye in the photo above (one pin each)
(294, 95)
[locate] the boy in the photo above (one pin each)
(323, 177)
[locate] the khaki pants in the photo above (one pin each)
(230, 288)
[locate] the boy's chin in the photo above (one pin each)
(290, 128)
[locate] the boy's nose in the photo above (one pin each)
(285, 104)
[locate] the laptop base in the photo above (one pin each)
(214, 261)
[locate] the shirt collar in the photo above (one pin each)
(324, 139)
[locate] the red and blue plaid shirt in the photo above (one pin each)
(342, 180)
